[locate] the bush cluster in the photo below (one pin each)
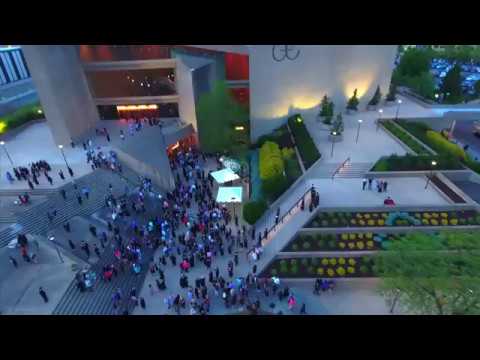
(305, 144)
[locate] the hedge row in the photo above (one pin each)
(305, 144)
(416, 163)
(21, 116)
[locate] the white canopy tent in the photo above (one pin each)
(224, 176)
(229, 194)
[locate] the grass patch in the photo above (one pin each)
(406, 138)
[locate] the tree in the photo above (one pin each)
(433, 273)
(376, 97)
(477, 88)
(452, 85)
(324, 106)
(414, 62)
(338, 124)
(392, 92)
(353, 101)
(424, 84)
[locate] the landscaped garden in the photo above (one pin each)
(405, 137)
(439, 143)
(410, 162)
(305, 144)
(278, 168)
(327, 267)
(398, 218)
(21, 116)
(340, 242)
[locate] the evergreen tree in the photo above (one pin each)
(324, 106)
(392, 92)
(376, 97)
(452, 85)
(353, 101)
(338, 124)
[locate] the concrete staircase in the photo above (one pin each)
(349, 170)
(35, 220)
(99, 301)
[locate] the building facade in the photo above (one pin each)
(82, 85)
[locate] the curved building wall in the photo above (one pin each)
(279, 89)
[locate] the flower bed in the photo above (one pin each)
(412, 218)
(340, 242)
(320, 267)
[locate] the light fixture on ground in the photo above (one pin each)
(2, 143)
(434, 163)
(399, 102)
(333, 142)
(437, 96)
(380, 113)
(358, 129)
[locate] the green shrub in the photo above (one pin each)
(304, 142)
(438, 142)
(273, 272)
(271, 163)
(274, 187)
(321, 244)
(295, 247)
(253, 210)
(311, 270)
(341, 271)
(306, 245)
(364, 269)
(294, 269)
(314, 261)
(21, 116)
(332, 244)
(293, 262)
(304, 262)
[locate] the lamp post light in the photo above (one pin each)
(70, 171)
(2, 143)
(399, 102)
(434, 163)
(380, 112)
(333, 142)
(436, 97)
(52, 239)
(358, 129)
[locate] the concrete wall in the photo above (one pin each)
(186, 101)
(63, 90)
(279, 89)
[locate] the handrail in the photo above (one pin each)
(342, 165)
(288, 213)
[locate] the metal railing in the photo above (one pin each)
(288, 213)
(342, 165)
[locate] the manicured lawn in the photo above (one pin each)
(406, 138)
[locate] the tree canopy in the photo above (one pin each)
(433, 273)
(452, 85)
(414, 62)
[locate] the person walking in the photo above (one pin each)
(364, 184)
(62, 176)
(79, 199)
(85, 192)
(303, 310)
(66, 226)
(385, 185)
(13, 261)
(370, 180)
(72, 245)
(43, 294)
(96, 250)
(30, 185)
(143, 305)
(64, 194)
(93, 230)
(86, 248)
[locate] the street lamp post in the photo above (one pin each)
(52, 239)
(6, 152)
(434, 163)
(333, 142)
(399, 102)
(70, 171)
(380, 112)
(358, 129)
(436, 97)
